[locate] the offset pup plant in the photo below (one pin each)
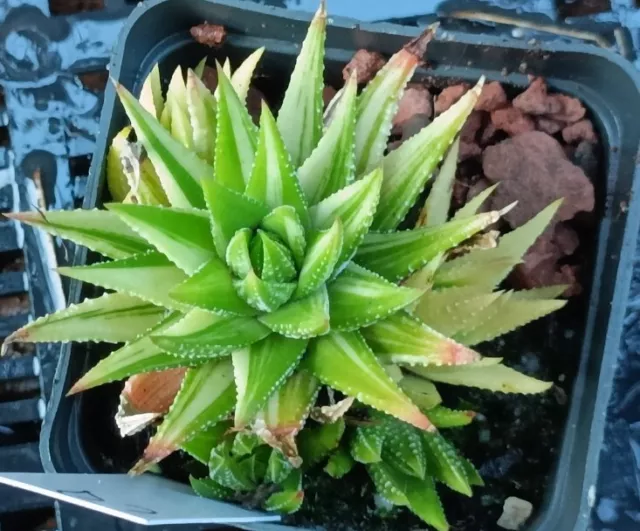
(262, 287)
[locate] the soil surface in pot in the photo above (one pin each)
(515, 439)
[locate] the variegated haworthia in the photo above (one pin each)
(267, 261)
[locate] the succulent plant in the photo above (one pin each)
(273, 313)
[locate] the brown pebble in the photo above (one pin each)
(536, 100)
(449, 96)
(571, 109)
(488, 134)
(512, 120)
(416, 100)
(491, 98)
(469, 150)
(212, 35)
(471, 127)
(582, 130)
(366, 63)
(547, 125)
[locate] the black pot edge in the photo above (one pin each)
(554, 504)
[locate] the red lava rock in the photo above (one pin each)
(512, 120)
(212, 35)
(491, 98)
(537, 272)
(471, 127)
(582, 130)
(468, 150)
(533, 169)
(210, 78)
(565, 238)
(416, 100)
(536, 100)
(328, 92)
(488, 134)
(366, 64)
(571, 109)
(449, 96)
(413, 125)
(548, 125)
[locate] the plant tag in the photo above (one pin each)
(147, 500)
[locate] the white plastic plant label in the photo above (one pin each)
(147, 500)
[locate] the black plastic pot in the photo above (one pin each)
(609, 87)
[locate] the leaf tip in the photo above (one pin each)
(418, 46)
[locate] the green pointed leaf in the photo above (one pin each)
(207, 395)
(473, 476)
(241, 78)
(422, 392)
(151, 97)
(230, 211)
(378, 103)
(285, 223)
(359, 298)
(304, 318)
(201, 107)
(472, 206)
(238, 257)
(318, 442)
(179, 170)
(355, 206)
(489, 267)
(262, 295)
(139, 356)
(285, 412)
(256, 465)
(183, 236)
(436, 208)
(506, 313)
(330, 167)
(181, 128)
(199, 446)
(225, 469)
(300, 116)
(545, 292)
(487, 375)
(445, 464)
(199, 68)
(453, 309)
(208, 488)
(366, 444)
(245, 444)
(236, 138)
(260, 370)
(98, 230)
(211, 288)
(277, 262)
(113, 318)
(401, 338)
(278, 467)
(340, 463)
(345, 362)
(403, 447)
(383, 477)
(149, 276)
(273, 180)
(396, 254)
(444, 417)
(285, 502)
(202, 335)
(408, 168)
(323, 253)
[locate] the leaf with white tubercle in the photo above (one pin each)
(394, 255)
(403, 447)
(378, 102)
(207, 395)
(408, 168)
(138, 356)
(226, 470)
(486, 374)
(330, 167)
(203, 335)
(382, 475)
(150, 276)
(359, 297)
(112, 318)
(345, 362)
(181, 128)
(302, 318)
(98, 230)
(260, 369)
(445, 464)
(317, 442)
(323, 253)
(263, 295)
(444, 417)
(211, 288)
(151, 94)
(179, 170)
(230, 211)
(244, 443)
(366, 444)
(423, 393)
(236, 137)
(273, 180)
(284, 222)
(241, 77)
(209, 488)
(545, 292)
(237, 255)
(199, 446)
(201, 108)
(277, 262)
(355, 206)
(285, 412)
(182, 235)
(401, 338)
(300, 116)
